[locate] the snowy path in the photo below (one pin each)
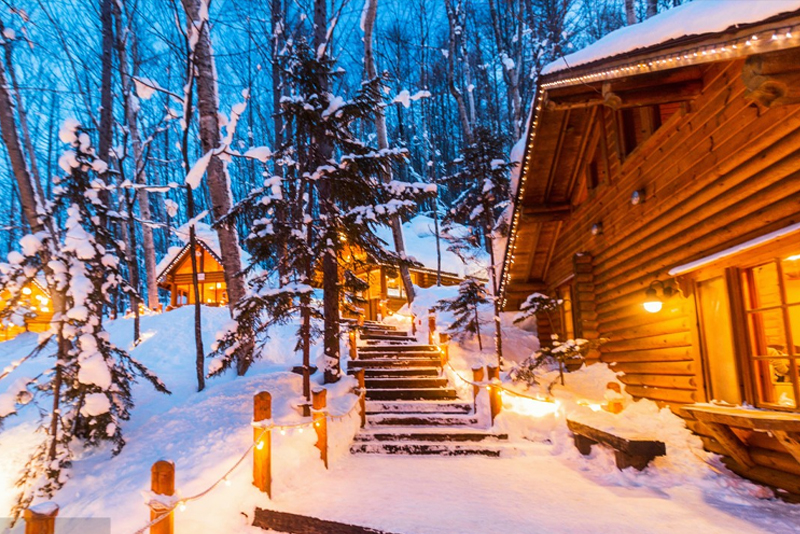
(528, 494)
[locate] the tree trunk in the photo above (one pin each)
(131, 118)
(199, 360)
(370, 14)
(278, 28)
(478, 329)
(330, 264)
(216, 174)
(498, 331)
(106, 96)
(630, 12)
(452, 18)
(652, 8)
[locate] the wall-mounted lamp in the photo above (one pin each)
(652, 302)
(597, 228)
(637, 197)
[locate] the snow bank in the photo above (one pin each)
(692, 18)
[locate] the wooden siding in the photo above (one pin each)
(718, 172)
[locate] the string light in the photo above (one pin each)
(182, 506)
(700, 54)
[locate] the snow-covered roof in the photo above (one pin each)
(420, 242)
(691, 19)
(206, 238)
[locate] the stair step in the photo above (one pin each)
(386, 363)
(432, 419)
(405, 383)
(418, 407)
(383, 354)
(380, 336)
(381, 347)
(411, 394)
(411, 372)
(426, 449)
(435, 435)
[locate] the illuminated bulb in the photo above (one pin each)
(45, 309)
(283, 432)
(316, 424)
(774, 36)
(652, 303)
(26, 291)
(227, 482)
(182, 506)
(748, 43)
(788, 35)
(300, 430)
(260, 445)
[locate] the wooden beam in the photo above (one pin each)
(731, 442)
(790, 441)
(641, 97)
(546, 212)
(773, 79)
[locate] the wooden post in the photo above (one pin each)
(362, 400)
(413, 325)
(41, 519)
(318, 405)
(495, 401)
(353, 348)
(477, 377)
(162, 482)
(444, 344)
(431, 325)
(262, 452)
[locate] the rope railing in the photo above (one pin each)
(258, 443)
(498, 386)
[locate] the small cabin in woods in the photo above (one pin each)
(34, 315)
(386, 294)
(175, 270)
(659, 197)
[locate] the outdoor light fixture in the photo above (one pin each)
(652, 303)
(637, 197)
(597, 228)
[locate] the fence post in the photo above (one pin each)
(262, 452)
(495, 401)
(477, 377)
(431, 325)
(362, 396)
(352, 339)
(162, 482)
(318, 405)
(41, 519)
(444, 345)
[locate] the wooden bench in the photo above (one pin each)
(635, 453)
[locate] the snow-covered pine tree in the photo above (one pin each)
(86, 394)
(485, 192)
(287, 211)
(465, 308)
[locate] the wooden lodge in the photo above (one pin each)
(669, 175)
(175, 276)
(36, 317)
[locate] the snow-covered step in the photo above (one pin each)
(396, 355)
(385, 347)
(425, 434)
(430, 419)
(418, 407)
(426, 449)
(399, 372)
(387, 363)
(411, 394)
(405, 382)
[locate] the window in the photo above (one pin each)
(636, 125)
(772, 307)
(749, 326)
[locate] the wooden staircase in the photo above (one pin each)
(411, 407)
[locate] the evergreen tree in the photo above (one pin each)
(288, 213)
(471, 295)
(86, 394)
(485, 192)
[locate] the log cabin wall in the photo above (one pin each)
(714, 171)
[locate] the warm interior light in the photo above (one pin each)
(652, 303)
(26, 291)
(219, 285)
(793, 258)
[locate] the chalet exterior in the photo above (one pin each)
(175, 270)
(659, 197)
(36, 318)
(386, 294)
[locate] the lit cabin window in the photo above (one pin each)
(772, 305)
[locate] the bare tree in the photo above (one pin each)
(630, 12)
(652, 8)
(370, 14)
(216, 174)
(455, 18)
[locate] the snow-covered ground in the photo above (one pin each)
(542, 485)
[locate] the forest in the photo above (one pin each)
(290, 127)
